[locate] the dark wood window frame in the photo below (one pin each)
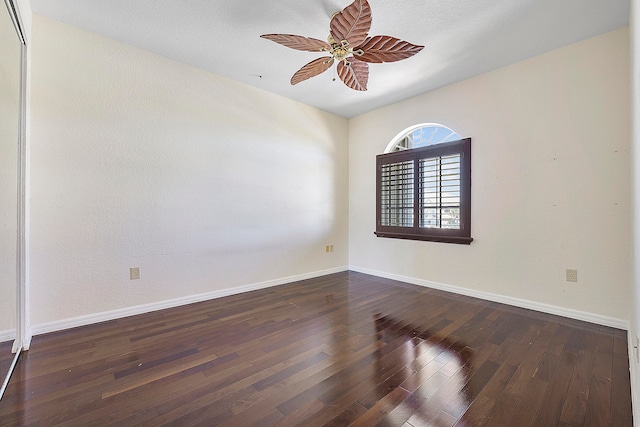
(461, 235)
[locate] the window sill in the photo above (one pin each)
(428, 238)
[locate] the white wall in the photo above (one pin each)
(204, 183)
(634, 302)
(138, 160)
(550, 191)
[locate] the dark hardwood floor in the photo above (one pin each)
(6, 358)
(344, 349)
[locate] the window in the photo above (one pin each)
(425, 193)
(422, 136)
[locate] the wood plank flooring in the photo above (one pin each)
(6, 357)
(343, 349)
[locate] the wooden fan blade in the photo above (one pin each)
(298, 42)
(352, 24)
(354, 74)
(386, 49)
(313, 68)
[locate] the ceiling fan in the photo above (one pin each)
(349, 44)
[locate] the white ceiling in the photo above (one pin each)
(463, 38)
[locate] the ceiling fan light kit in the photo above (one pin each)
(350, 45)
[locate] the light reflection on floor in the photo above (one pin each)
(435, 391)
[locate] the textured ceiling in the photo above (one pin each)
(462, 38)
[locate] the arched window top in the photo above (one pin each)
(421, 135)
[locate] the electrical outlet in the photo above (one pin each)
(572, 275)
(328, 248)
(134, 273)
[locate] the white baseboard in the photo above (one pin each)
(74, 322)
(26, 342)
(8, 335)
(517, 302)
(59, 325)
(635, 383)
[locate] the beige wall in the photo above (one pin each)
(207, 184)
(634, 301)
(204, 183)
(551, 181)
